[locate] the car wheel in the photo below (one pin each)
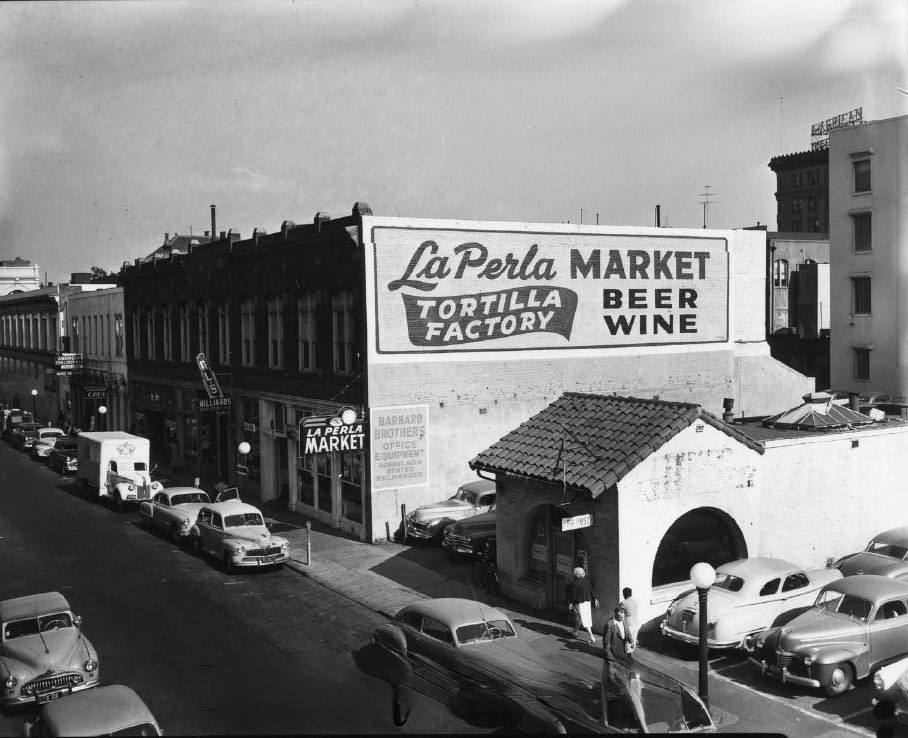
(118, 502)
(839, 680)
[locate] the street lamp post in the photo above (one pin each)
(703, 577)
(102, 411)
(34, 405)
(243, 449)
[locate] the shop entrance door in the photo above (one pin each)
(562, 564)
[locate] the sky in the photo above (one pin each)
(123, 121)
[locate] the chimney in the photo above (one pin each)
(257, 233)
(320, 219)
(854, 401)
(658, 216)
(727, 404)
(213, 227)
(166, 236)
(286, 226)
(233, 236)
(361, 209)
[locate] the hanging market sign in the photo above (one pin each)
(325, 434)
(451, 290)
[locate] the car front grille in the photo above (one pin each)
(783, 659)
(51, 683)
(457, 540)
(270, 551)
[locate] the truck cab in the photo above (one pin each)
(117, 465)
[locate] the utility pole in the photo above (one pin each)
(706, 194)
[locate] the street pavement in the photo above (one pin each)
(386, 576)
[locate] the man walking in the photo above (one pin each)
(632, 615)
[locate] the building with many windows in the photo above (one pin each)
(802, 191)
(868, 167)
(18, 275)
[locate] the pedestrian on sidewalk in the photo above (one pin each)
(616, 657)
(582, 601)
(631, 614)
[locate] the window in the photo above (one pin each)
(136, 335)
(118, 334)
(891, 609)
(305, 319)
(74, 331)
(780, 273)
(861, 175)
(770, 588)
(862, 364)
(798, 580)
(275, 332)
(184, 332)
(796, 180)
(862, 231)
(351, 489)
(434, 629)
(797, 205)
(342, 312)
(247, 330)
(224, 333)
(150, 335)
(861, 295)
(813, 178)
(167, 320)
(202, 322)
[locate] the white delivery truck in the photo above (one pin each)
(117, 465)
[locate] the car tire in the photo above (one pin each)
(839, 680)
(118, 502)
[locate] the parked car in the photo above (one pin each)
(63, 457)
(470, 535)
(475, 651)
(43, 652)
(746, 598)
(857, 624)
(109, 710)
(45, 438)
(235, 533)
(174, 509)
(428, 522)
(24, 435)
(890, 684)
(886, 555)
(12, 418)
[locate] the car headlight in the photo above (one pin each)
(759, 641)
(878, 681)
(90, 666)
(10, 682)
(131, 488)
(240, 550)
(808, 660)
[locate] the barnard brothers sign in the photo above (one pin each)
(453, 290)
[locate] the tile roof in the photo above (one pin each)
(589, 442)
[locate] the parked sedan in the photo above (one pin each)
(890, 684)
(746, 598)
(64, 456)
(110, 710)
(174, 509)
(857, 624)
(43, 653)
(476, 654)
(235, 533)
(886, 555)
(45, 438)
(470, 535)
(428, 521)
(23, 437)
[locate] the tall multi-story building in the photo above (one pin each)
(18, 275)
(868, 172)
(365, 360)
(802, 191)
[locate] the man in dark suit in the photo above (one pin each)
(616, 655)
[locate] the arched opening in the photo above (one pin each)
(705, 534)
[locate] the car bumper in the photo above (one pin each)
(457, 547)
(783, 674)
(50, 695)
(254, 562)
(694, 638)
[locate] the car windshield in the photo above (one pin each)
(236, 521)
(51, 434)
(35, 625)
(887, 548)
(189, 497)
(465, 495)
(660, 708)
(487, 630)
(844, 604)
(729, 582)
(141, 729)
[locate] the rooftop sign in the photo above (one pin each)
(819, 132)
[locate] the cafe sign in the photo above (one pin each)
(326, 434)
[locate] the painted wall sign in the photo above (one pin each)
(458, 290)
(399, 446)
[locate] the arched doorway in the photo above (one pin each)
(704, 534)
(554, 554)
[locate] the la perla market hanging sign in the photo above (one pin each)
(326, 434)
(440, 290)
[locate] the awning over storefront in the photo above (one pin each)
(589, 442)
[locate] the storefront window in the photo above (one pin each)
(250, 434)
(323, 481)
(351, 485)
(305, 480)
